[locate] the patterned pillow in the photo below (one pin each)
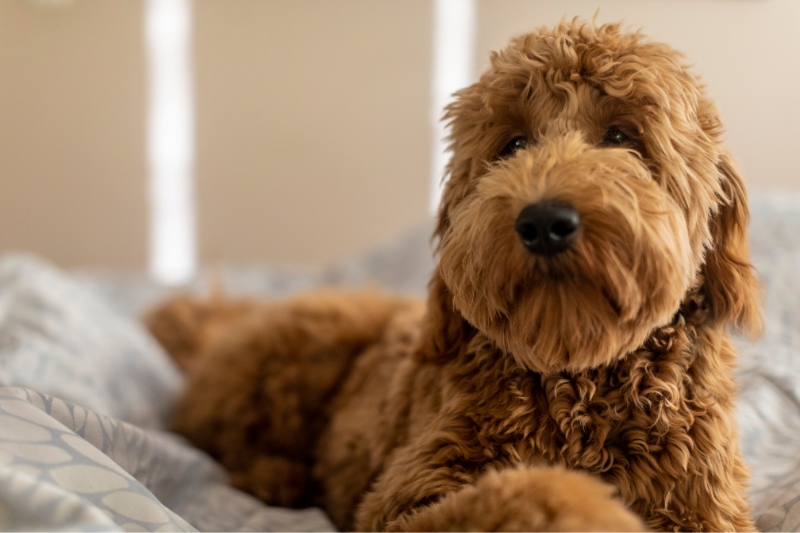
(77, 464)
(66, 467)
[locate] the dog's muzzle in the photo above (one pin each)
(547, 228)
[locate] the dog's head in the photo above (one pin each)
(589, 193)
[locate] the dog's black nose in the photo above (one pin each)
(547, 228)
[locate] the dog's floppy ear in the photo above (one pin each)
(444, 330)
(730, 282)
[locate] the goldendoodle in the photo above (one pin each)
(571, 368)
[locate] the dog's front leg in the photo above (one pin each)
(525, 499)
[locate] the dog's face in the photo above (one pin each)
(588, 192)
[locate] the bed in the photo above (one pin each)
(85, 392)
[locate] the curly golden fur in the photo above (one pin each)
(591, 389)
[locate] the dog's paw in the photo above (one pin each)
(526, 499)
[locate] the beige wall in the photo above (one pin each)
(747, 51)
(312, 115)
(312, 125)
(312, 128)
(72, 104)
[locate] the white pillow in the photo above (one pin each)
(60, 338)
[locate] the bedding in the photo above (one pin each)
(84, 391)
(65, 466)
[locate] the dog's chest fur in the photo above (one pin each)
(635, 423)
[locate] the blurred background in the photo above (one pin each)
(164, 135)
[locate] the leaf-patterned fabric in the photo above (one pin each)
(80, 444)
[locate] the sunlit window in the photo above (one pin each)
(170, 141)
(453, 69)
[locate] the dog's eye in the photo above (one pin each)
(513, 146)
(616, 137)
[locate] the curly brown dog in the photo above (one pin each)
(571, 368)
